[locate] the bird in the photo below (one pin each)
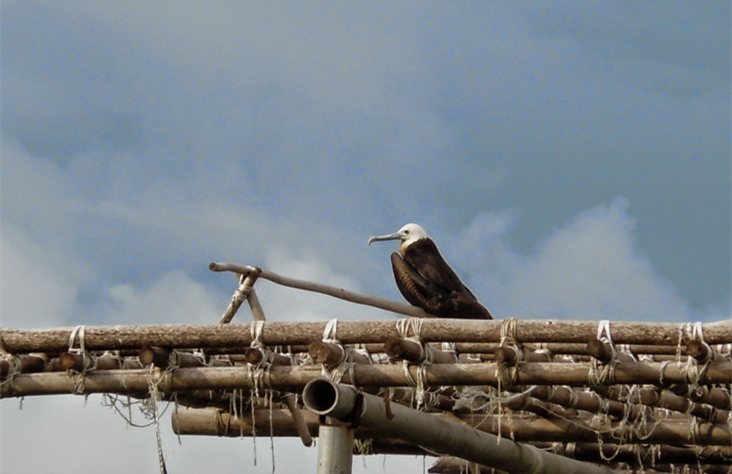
(426, 280)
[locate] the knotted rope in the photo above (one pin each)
(403, 327)
(603, 374)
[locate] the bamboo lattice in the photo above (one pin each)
(625, 395)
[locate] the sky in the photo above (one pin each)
(571, 160)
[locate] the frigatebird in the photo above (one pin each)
(426, 280)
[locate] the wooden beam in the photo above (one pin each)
(274, 333)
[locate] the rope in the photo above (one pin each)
(603, 374)
(88, 362)
(345, 364)
(158, 378)
(13, 370)
(507, 375)
(694, 369)
(403, 327)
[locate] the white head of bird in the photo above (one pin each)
(408, 234)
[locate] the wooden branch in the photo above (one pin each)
(349, 332)
(339, 293)
(242, 293)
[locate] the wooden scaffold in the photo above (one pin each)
(517, 396)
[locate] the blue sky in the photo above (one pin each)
(571, 160)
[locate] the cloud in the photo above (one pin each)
(39, 281)
(175, 298)
(588, 269)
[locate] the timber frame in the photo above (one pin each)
(581, 396)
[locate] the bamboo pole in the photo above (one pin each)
(25, 364)
(294, 378)
(665, 399)
(715, 396)
(415, 353)
(330, 354)
(18, 341)
(673, 430)
(212, 422)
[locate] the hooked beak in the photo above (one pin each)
(394, 236)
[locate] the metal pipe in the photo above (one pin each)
(326, 398)
(438, 434)
(335, 449)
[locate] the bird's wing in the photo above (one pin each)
(413, 287)
(425, 258)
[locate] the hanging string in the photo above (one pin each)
(258, 377)
(158, 377)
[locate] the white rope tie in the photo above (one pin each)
(14, 369)
(345, 364)
(694, 369)
(403, 327)
(88, 362)
(507, 375)
(603, 374)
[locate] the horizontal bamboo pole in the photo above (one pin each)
(414, 352)
(294, 378)
(23, 364)
(212, 422)
(667, 400)
(716, 436)
(349, 332)
(673, 430)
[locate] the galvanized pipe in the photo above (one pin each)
(335, 448)
(439, 434)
